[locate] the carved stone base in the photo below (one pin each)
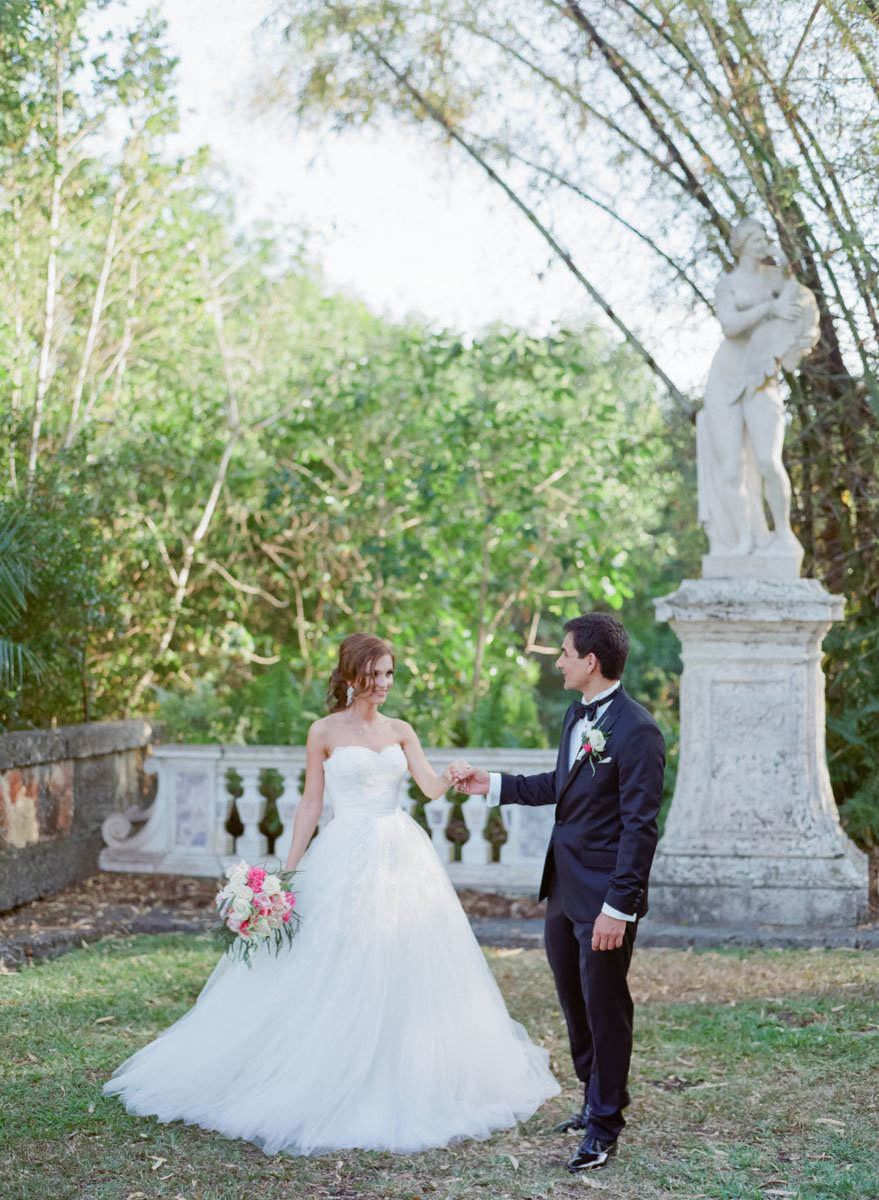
(760, 565)
(753, 834)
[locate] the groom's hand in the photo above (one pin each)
(607, 932)
(473, 782)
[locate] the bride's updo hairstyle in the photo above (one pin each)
(356, 655)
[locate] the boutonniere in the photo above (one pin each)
(592, 746)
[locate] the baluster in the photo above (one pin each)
(271, 786)
(223, 844)
(511, 851)
(495, 833)
(287, 806)
(252, 845)
(437, 813)
(476, 850)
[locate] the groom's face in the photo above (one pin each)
(576, 670)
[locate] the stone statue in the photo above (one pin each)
(769, 320)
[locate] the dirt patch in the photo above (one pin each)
(108, 895)
(495, 908)
(116, 903)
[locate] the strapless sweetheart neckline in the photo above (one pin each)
(355, 746)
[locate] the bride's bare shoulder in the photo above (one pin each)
(402, 729)
(320, 730)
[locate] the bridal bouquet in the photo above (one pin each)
(255, 907)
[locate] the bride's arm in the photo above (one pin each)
(312, 802)
(430, 783)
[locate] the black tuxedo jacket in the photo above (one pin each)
(605, 833)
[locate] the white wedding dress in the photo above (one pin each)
(380, 1027)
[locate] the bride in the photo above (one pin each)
(381, 1026)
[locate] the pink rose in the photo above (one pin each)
(587, 747)
(285, 918)
(290, 897)
(256, 878)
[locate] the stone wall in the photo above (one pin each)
(56, 788)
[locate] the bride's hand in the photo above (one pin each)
(458, 770)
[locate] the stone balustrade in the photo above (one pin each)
(187, 829)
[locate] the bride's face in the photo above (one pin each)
(378, 679)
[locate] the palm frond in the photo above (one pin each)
(17, 578)
(14, 658)
(16, 571)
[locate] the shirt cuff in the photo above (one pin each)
(612, 912)
(493, 798)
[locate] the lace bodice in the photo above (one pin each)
(364, 783)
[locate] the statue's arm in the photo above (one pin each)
(735, 321)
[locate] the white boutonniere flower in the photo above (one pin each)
(592, 746)
(597, 740)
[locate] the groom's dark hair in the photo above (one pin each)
(602, 635)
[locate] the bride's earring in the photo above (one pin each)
(350, 696)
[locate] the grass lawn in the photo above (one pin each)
(756, 1074)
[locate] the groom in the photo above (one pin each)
(607, 788)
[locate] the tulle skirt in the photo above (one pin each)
(380, 1027)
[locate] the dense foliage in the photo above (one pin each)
(222, 469)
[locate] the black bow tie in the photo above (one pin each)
(588, 710)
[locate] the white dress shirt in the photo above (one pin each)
(576, 738)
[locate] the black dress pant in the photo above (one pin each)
(594, 995)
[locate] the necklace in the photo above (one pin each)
(362, 727)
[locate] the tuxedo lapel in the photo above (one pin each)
(565, 751)
(613, 713)
(572, 775)
(605, 724)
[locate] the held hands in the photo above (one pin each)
(469, 780)
(607, 931)
(456, 771)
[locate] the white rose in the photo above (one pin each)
(271, 886)
(262, 927)
(597, 740)
(240, 906)
(241, 889)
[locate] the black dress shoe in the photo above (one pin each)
(579, 1120)
(592, 1153)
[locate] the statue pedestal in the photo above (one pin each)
(761, 565)
(753, 835)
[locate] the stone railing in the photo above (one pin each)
(191, 827)
(57, 788)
